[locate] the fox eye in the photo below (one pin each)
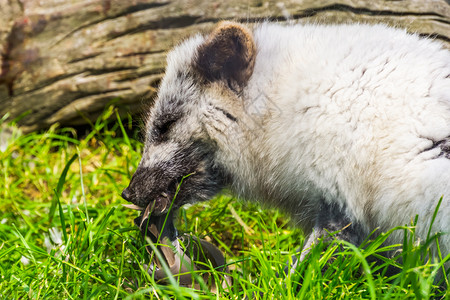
(161, 129)
(165, 127)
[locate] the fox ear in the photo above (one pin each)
(227, 54)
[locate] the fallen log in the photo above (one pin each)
(64, 61)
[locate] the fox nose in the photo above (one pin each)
(126, 194)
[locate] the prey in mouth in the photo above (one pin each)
(182, 254)
(156, 208)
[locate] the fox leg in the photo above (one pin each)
(331, 219)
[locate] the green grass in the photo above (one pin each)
(65, 235)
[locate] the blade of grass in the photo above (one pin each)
(122, 129)
(82, 186)
(434, 217)
(366, 268)
(59, 186)
(25, 243)
(62, 218)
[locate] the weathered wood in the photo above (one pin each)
(64, 61)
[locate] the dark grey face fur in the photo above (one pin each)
(176, 151)
(192, 164)
(177, 140)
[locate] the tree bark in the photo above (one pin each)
(64, 61)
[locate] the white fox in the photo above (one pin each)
(334, 124)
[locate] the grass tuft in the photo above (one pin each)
(65, 235)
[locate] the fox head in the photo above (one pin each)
(193, 119)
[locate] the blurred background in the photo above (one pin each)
(65, 61)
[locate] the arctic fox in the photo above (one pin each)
(336, 124)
